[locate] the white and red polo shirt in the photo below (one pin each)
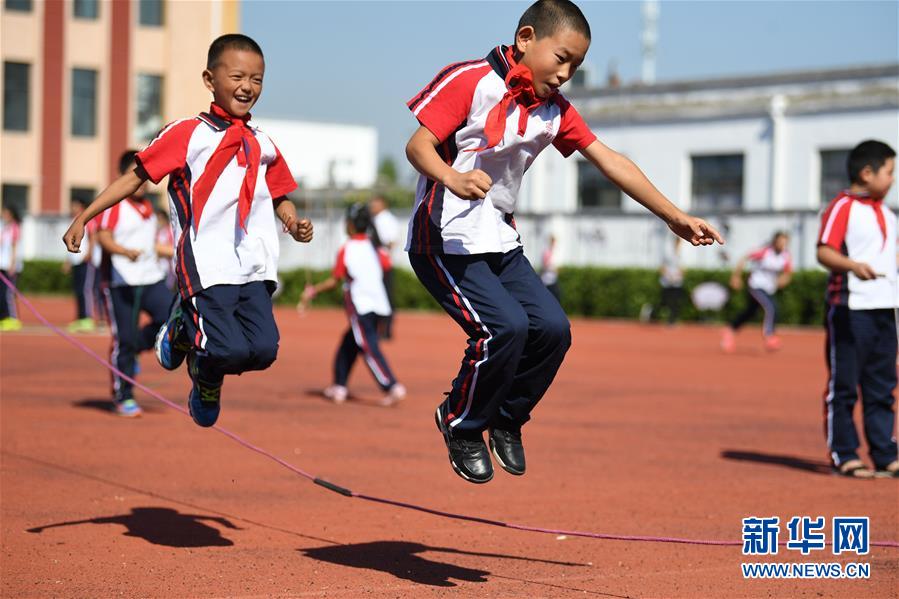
(863, 229)
(132, 223)
(214, 246)
(454, 107)
(767, 265)
(361, 267)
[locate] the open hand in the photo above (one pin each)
(472, 185)
(864, 271)
(695, 230)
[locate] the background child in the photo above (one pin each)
(385, 234)
(482, 124)
(361, 267)
(11, 264)
(76, 265)
(772, 270)
(857, 243)
(134, 282)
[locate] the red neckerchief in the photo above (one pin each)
(519, 89)
(143, 206)
(864, 198)
(238, 140)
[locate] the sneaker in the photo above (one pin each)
(128, 408)
(468, 456)
(82, 325)
(891, 470)
(854, 469)
(507, 449)
(10, 324)
(172, 344)
(204, 401)
(395, 395)
(336, 393)
(728, 341)
(772, 343)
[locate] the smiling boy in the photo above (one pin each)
(482, 124)
(227, 181)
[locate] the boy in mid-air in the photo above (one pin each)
(227, 181)
(482, 124)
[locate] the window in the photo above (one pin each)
(16, 197)
(16, 100)
(834, 174)
(594, 190)
(86, 9)
(149, 106)
(85, 195)
(150, 12)
(84, 102)
(717, 182)
(19, 5)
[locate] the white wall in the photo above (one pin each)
(317, 151)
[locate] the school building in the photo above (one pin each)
(85, 79)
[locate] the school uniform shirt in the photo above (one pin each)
(361, 267)
(223, 174)
(11, 239)
(454, 107)
(767, 265)
(132, 224)
(863, 229)
(90, 230)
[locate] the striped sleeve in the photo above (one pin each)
(445, 102)
(834, 222)
(108, 219)
(167, 152)
(574, 134)
(339, 271)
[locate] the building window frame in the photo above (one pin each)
(84, 104)
(18, 5)
(149, 118)
(16, 195)
(16, 97)
(833, 176)
(151, 13)
(718, 181)
(88, 10)
(601, 194)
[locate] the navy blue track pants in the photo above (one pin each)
(232, 329)
(128, 337)
(362, 336)
(861, 358)
(518, 335)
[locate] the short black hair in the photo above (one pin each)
(126, 160)
(14, 213)
(358, 215)
(871, 153)
(237, 41)
(549, 16)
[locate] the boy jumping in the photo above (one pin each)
(227, 180)
(482, 124)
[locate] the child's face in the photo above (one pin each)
(780, 243)
(552, 59)
(878, 182)
(236, 81)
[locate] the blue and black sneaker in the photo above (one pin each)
(204, 401)
(172, 343)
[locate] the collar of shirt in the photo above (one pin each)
(143, 206)
(359, 236)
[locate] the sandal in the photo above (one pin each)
(854, 469)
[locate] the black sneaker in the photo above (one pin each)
(508, 450)
(469, 456)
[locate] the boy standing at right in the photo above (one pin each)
(857, 243)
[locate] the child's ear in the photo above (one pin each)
(866, 174)
(523, 37)
(207, 80)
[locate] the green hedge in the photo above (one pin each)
(586, 291)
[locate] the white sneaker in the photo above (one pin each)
(396, 394)
(336, 393)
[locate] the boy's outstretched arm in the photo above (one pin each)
(117, 191)
(631, 180)
(736, 277)
(422, 154)
(298, 228)
(311, 291)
